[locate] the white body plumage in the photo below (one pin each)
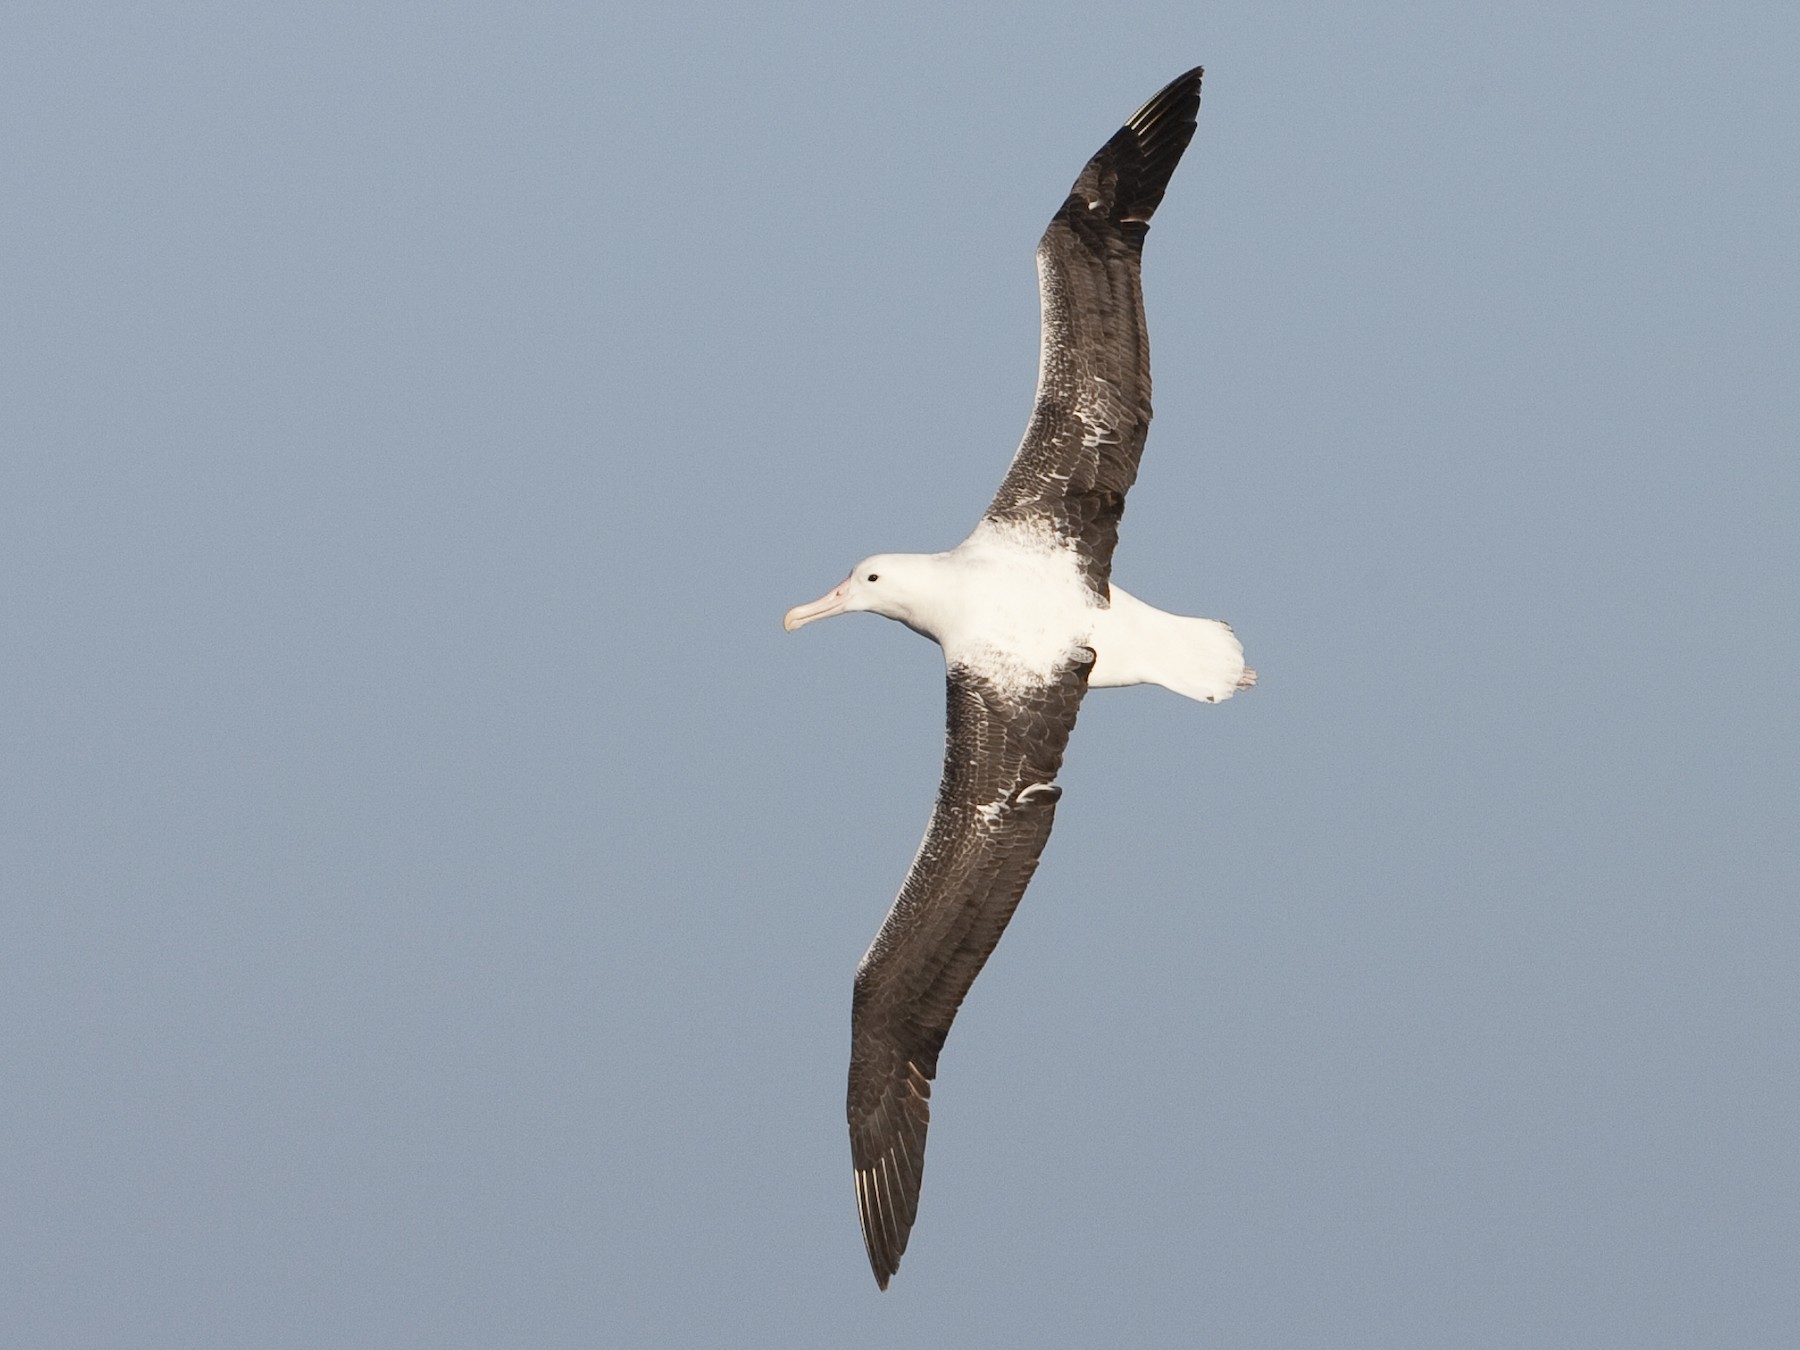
(1009, 604)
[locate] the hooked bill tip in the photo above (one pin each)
(832, 602)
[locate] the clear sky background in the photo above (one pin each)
(432, 880)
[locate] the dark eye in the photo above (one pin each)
(874, 576)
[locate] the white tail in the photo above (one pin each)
(1135, 643)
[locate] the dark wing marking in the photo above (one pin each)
(1081, 449)
(993, 814)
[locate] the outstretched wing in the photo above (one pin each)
(1081, 449)
(994, 809)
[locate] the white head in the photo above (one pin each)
(890, 584)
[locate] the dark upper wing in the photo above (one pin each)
(1081, 449)
(993, 815)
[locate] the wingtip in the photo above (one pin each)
(1187, 82)
(1172, 95)
(883, 1242)
(882, 1264)
(1143, 153)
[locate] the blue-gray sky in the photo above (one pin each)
(432, 880)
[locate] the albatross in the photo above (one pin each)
(1029, 620)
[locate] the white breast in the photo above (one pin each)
(1013, 606)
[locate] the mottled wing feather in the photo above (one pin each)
(994, 809)
(1081, 448)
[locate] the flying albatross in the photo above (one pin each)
(1029, 621)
